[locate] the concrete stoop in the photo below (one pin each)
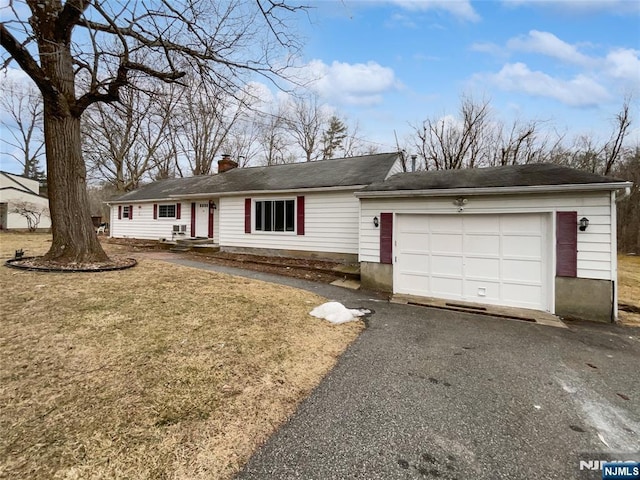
(202, 244)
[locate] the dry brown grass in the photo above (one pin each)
(629, 286)
(159, 371)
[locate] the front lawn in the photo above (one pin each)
(159, 371)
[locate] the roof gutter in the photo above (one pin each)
(443, 192)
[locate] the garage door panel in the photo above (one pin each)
(447, 287)
(482, 244)
(522, 246)
(414, 262)
(417, 242)
(446, 242)
(478, 224)
(521, 223)
(485, 268)
(495, 259)
(522, 271)
(445, 224)
(415, 284)
(448, 265)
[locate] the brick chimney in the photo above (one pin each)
(226, 163)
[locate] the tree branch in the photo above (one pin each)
(26, 61)
(69, 17)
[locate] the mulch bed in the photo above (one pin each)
(36, 264)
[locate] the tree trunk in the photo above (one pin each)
(74, 238)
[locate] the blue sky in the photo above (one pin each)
(388, 64)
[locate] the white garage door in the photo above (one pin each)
(494, 259)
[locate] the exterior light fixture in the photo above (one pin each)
(376, 221)
(460, 202)
(584, 223)
(213, 205)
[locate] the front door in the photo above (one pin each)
(202, 219)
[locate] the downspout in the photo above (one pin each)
(627, 193)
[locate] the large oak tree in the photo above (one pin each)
(80, 52)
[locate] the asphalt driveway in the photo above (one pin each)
(427, 393)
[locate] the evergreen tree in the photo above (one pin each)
(333, 137)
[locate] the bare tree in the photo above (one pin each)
(242, 142)
(305, 120)
(23, 106)
(521, 143)
(31, 212)
(353, 145)
(68, 48)
(629, 209)
(613, 148)
(126, 141)
(451, 143)
(272, 137)
(206, 118)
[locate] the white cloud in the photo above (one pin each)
(461, 9)
(487, 47)
(548, 44)
(580, 91)
(619, 7)
(624, 64)
(353, 84)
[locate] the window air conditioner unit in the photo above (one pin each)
(176, 228)
(183, 229)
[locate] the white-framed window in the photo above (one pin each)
(167, 211)
(275, 215)
(125, 211)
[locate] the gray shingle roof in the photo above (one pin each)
(342, 172)
(507, 176)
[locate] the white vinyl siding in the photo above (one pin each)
(594, 245)
(144, 226)
(396, 167)
(331, 224)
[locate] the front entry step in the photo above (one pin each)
(180, 248)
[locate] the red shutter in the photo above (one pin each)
(247, 215)
(155, 211)
(386, 237)
(300, 216)
(567, 244)
(193, 219)
(130, 212)
(119, 212)
(178, 205)
(210, 220)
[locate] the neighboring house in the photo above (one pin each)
(294, 209)
(531, 236)
(18, 191)
(506, 236)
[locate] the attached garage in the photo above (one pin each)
(493, 259)
(540, 237)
